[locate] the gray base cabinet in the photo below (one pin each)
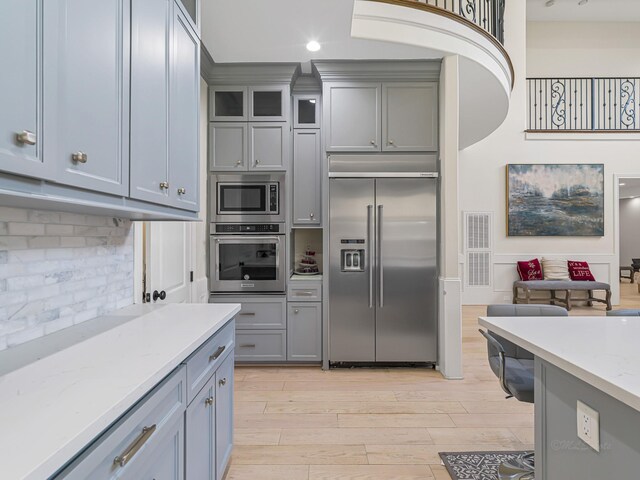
(304, 332)
(224, 415)
(200, 421)
(307, 178)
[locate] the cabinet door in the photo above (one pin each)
(150, 99)
(268, 146)
(21, 88)
(304, 332)
(228, 147)
(228, 104)
(269, 103)
(410, 117)
(86, 96)
(307, 196)
(352, 113)
(224, 415)
(184, 114)
(200, 423)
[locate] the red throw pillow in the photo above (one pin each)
(580, 271)
(530, 270)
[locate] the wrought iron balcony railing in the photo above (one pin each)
(583, 104)
(486, 14)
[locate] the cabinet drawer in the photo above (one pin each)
(304, 291)
(258, 313)
(203, 363)
(145, 426)
(261, 345)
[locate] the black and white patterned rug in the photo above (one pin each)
(476, 465)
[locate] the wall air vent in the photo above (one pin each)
(478, 248)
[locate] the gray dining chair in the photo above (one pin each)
(625, 312)
(514, 367)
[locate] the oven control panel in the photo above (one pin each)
(248, 228)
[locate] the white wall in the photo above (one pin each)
(629, 230)
(553, 51)
(60, 269)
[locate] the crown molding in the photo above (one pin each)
(252, 73)
(367, 70)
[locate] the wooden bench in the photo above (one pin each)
(554, 286)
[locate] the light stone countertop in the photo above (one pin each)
(52, 407)
(601, 351)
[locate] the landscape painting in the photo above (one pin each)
(561, 200)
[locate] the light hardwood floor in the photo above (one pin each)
(300, 423)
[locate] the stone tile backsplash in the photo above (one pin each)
(60, 269)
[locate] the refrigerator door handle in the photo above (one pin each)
(379, 260)
(369, 248)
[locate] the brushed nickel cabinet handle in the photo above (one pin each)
(239, 162)
(182, 191)
(217, 353)
(26, 137)
(296, 310)
(79, 157)
(248, 345)
(164, 185)
(311, 215)
(301, 293)
(208, 401)
(222, 382)
(391, 142)
(257, 161)
(247, 314)
(137, 444)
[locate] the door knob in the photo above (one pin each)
(311, 215)
(222, 382)
(208, 401)
(26, 137)
(296, 311)
(373, 142)
(257, 161)
(159, 295)
(182, 191)
(79, 157)
(239, 162)
(390, 142)
(164, 185)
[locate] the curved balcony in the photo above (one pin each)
(471, 29)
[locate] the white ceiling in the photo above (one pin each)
(593, 11)
(631, 187)
(278, 30)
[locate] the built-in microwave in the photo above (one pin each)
(247, 198)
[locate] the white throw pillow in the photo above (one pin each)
(554, 269)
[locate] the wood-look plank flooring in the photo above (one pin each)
(301, 423)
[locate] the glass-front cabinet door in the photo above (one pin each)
(228, 104)
(268, 103)
(306, 111)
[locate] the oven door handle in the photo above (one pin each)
(247, 239)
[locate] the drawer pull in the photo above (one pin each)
(217, 353)
(247, 314)
(137, 444)
(208, 401)
(222, 382)
(303, 294)
(248, 345)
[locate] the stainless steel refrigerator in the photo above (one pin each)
(383, 270)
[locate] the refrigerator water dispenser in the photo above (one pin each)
(352, 260)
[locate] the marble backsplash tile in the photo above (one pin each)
(60, 269)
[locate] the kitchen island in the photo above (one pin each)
(593, 360)
(88, 392)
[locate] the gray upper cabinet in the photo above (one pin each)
(410, 117)
(184, 121)
(307, 178)
(352, 117)
(228, 103)
(191, 9)
(228, 149)
(269, 103)
(304, 332)
(306, 111)
(21, 89)
(268, 146)
(150, 99)
(165, 92)
(224, 415)
(86, 92)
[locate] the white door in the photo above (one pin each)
(168, 262)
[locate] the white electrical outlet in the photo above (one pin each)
(588, 425)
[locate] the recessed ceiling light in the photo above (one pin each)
(550, 3)
(313, 46)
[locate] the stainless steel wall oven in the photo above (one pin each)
(247, 258)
